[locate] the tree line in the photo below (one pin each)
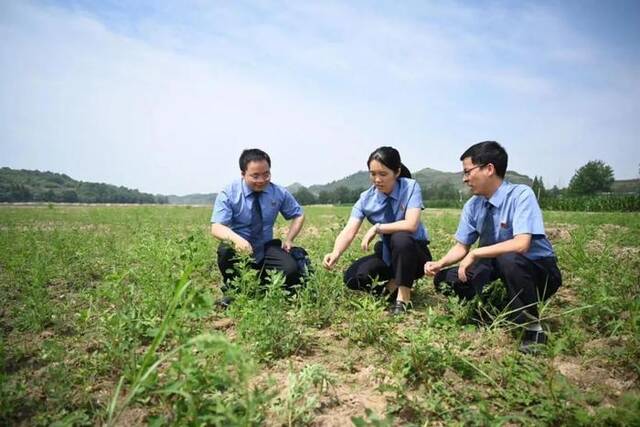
(590, 189)
(36, 186)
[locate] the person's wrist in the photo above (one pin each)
(376, 228)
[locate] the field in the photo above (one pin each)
(108, 316)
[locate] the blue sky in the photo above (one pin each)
(163, 96)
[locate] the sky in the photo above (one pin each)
(163, 96)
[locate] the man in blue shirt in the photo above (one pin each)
(243, 217)
(507, 221)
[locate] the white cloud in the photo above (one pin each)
(165, 103)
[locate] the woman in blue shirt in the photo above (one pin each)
(393, 205)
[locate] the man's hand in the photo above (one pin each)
(368, 237)
(466, 262)
(330, 260)
(431, 268)
(287, 245)
(244, 246)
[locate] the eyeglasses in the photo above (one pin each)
(256, 176)
(467, 172)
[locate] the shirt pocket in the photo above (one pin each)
(505, 231)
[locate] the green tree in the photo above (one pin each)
(342, 195)
(69, 196)
(538, 187)
(355, 194)
(594, 177)
(304, 196)
(441, 191)
(324, 198)
(554, 192)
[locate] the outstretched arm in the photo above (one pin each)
(342, 242)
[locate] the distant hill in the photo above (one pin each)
(193, 199)
(294, 187)
(21, 185)
(426, 177)
(352, 182)
(35, 186)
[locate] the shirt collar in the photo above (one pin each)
(246, 191)
(498, 197)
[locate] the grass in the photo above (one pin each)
(108, 317)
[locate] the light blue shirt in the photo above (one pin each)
(406, 194)
(515, 211)
(233, 209)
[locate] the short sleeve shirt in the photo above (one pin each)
(233, 208)
(406, 194)
(515, 211)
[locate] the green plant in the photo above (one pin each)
(372, 420)
(263, 323)
(302, 398)
(368, 323)
(150, 361)
(208, 383)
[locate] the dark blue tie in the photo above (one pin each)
(389, 216)
(488, 227)
(256, 228)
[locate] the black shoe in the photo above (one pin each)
(224, 302)
(391, 296)
(399, 308)
(532, 342)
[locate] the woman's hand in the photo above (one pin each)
(330, 260)
(368, 237)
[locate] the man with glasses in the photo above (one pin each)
(507, 221)
(243, 217)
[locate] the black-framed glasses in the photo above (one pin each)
(467, 172)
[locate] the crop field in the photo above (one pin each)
(108, 317)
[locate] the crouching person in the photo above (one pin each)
(243, 217)
(392, 205)
(507, 221)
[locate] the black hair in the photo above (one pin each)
(389, 157)
(486, 152)
(252, 155)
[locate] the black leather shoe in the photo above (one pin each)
(532, 342)
(399, 308)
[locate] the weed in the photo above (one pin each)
(368, 323)
(263, 322)
(86, 291)
(302, 398)
(372, 420)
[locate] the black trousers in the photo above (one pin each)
(528, 281)
(275, 258)
(408, 256)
